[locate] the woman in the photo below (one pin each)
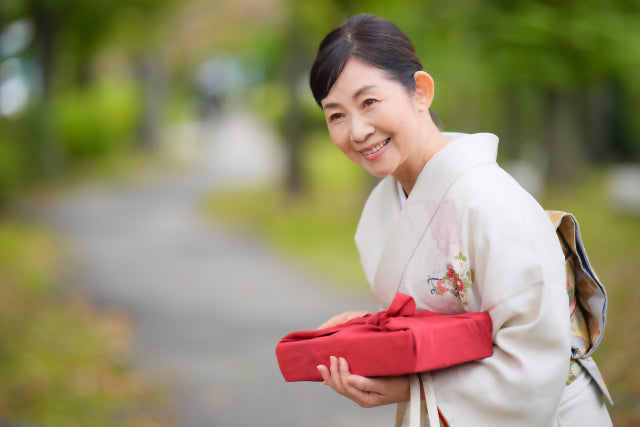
(450, 228)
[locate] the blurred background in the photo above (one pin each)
(115, 116)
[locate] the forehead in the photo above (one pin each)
(356, 75)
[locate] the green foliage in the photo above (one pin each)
(269, 101)
(97, 121)
(92, 129)
(12, 168)
(564, 45)
(61, 362)
(508, 66)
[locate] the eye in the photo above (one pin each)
(368, 102)
(335, 116)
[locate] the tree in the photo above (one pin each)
(565, 58)
(67, 36)
(306, 23)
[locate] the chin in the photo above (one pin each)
(379, 173)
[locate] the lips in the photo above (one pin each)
(376, 151)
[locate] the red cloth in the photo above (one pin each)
(393, 342)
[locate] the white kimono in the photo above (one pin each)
(469, 238)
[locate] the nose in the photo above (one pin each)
(361, 128)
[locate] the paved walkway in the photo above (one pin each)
(208, 305)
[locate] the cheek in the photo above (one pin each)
(342, 143)
(339, 139)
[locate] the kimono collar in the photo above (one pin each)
(388, 235)
(463, 152)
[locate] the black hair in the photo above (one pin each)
(374, 41)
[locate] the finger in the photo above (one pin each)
(334, 369)
(363, 384)
(336, 380)
(325, 325)
(343, 318)
(357, 388)
(381, 391)
(324, 373)
(335, 320)
(344, 372)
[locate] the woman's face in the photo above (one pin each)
(376, 122)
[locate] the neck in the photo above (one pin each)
(408, 175)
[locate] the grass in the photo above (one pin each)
(62, 362)
(317, 230)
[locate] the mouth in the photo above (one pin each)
(375, 148)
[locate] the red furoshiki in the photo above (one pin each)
(394, 342)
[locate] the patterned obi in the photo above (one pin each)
(587, 301)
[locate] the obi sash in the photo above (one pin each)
(587, 300)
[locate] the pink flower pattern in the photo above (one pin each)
(455, 282)
(444, 228)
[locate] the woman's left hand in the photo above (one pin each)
(366, 392)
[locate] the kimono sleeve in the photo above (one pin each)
(520, 281)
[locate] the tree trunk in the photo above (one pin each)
(599, 121)
(150, 80)
(564, 137)
(46, 31)
(292, 122)
(513, 135)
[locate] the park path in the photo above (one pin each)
(208, 305)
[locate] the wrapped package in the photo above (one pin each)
(397, 341)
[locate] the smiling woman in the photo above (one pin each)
(362, 110)
(453, 230)
(367, 71)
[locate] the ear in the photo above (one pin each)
(424, 90)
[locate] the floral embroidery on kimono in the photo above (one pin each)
(458, 279)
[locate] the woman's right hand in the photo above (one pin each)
(342, 318)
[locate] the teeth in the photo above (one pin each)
(376, 148)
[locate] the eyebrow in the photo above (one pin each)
(356, 94)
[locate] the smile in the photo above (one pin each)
(376, 148)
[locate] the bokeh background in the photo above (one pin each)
(109, 91)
